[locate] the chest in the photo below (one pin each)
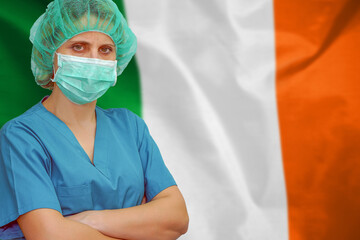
(112, 178)
(86, 139)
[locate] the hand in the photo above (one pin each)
(88, 217)
(85, 217)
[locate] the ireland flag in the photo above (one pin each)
(254, 104)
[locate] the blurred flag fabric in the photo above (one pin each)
(255, 106)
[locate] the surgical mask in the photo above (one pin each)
(83, 80)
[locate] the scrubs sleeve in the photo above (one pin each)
(25, 183)
(157, 175)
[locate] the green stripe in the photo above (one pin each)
(18, 90)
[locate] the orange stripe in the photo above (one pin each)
(318, 91)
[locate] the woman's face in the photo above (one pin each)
(89, 45)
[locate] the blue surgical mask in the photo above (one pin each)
(83, 80)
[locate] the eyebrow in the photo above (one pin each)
(84, 42)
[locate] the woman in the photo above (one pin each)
(69, 169)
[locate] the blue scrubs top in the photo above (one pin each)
(42, 165)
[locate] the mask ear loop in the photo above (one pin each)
(116, 76)
(54, 74)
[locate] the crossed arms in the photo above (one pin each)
(163, 218)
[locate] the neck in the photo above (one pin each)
(70, 113)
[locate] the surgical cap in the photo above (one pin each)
(64, 19)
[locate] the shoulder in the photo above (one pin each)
(22, 126)
(118, 112)
(123, 115)
(125, 118)
(24, 119)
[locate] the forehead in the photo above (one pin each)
(92, 37)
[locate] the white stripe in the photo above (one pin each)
(208, 80)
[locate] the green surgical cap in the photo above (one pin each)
(64, 19)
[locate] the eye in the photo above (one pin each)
(106, 50)
(78, 47)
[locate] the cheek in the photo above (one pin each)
(111, 56)
(114, 56)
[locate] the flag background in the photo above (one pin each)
(254, 105)
(318, 83)
(208, 87)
